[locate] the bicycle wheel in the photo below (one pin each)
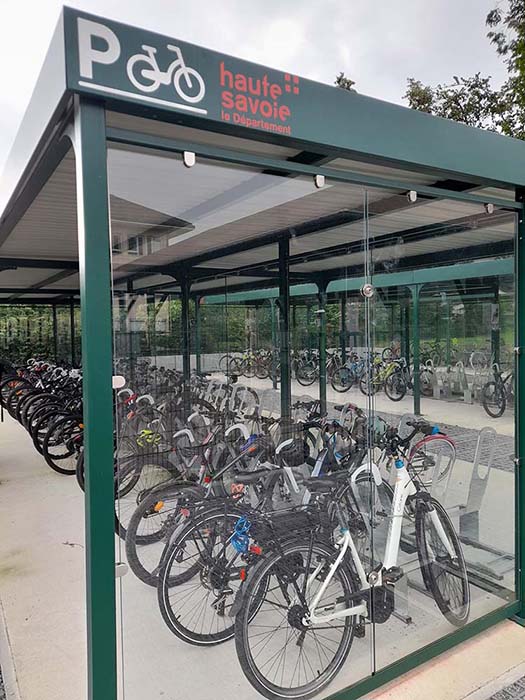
(342, 380)
(306, 374)
(199, 578)
(249, 367)
(262, 369)
(369, 384)
(493, 399)
(235, 365)
(59, 447)
(134, 480)
(444, 572)
(395, 386)
(223, 363)
(280, 655)
(151, 524)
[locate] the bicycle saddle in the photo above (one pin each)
(325, 484)
(247, 478)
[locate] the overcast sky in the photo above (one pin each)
(379, 43)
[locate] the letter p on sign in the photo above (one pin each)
(87, 54)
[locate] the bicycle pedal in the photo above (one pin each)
(393, 574)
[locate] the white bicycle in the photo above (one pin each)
(305, 601)
(145, 74)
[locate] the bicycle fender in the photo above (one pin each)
(238, 426)
(185, 431)
(376, 474)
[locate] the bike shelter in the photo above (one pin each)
(200, 209)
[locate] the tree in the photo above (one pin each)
(343, 82)
(473, 100)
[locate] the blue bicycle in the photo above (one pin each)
(349, 374)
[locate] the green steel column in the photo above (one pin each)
(495, 331)
(123, 334)
(198, 333)
(185, 336)
(151, 323)
(72, 329)
(308, 324)
(274, 341)
(321, 296)
(405, 308)
(449, 340)
(284, 326)
(294, 327)
(415, 290)
(520, 406)
(97, 363)
(343, 329)
(55, 332)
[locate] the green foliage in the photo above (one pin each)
(474, 100)
(27, 331)
(345, 83)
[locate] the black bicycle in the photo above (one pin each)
(497, 393)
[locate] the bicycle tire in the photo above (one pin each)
(286, 563)
(494, 404)
(54, 461)
(142, 556)
(143, 474)
(342, 380)
(200, 596)
(395, 387)
(306, 375)
(435, 569)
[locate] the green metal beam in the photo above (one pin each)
(198, 358)
(186, 337)
(520, 409)
(415, 291)
(484, 268)
(321, 311)
(95, 291)
(273, 312)
(55, 332)
(123, 136)
(284, 328)
(72, 329)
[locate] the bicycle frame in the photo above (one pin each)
(403, 489)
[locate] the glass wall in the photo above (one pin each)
(314, 455)
(38, 331)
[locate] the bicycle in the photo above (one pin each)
(305, 601)
(496, 394)
(151, 77)
(349, 374)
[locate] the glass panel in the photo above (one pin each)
(292, 356)
(442, 380)
(227, 413)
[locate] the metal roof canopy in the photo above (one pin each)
(88, 96)
(318, 128)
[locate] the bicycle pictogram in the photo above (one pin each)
(145, 74)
